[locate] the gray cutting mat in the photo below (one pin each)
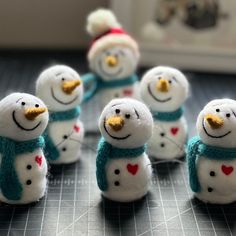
(73, 204)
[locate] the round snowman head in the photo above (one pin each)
(23, 117)
(114, 62)
(216, 123)
(60, 87)
(126, 123)
(164, 89)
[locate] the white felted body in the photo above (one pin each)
(133, 132)
(222, 186)
(37, 174)
(168, 139)
(131, 186)
(106, 95)
(219, 187)
(70, 147)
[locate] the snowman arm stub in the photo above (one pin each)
(192, 154)
(102, 158)
(89, 79)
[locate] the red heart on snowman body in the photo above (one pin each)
(76, 128)
(174, 130)
(39, 160)
(133, 169)
(227, 170)
(127, 92)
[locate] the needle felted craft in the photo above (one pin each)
(164, 90)
(212, 154)
(113, 57)
(60, 87)
(23, 167)
(123, 168)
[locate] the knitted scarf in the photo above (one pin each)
(9, 183)
(107, 152)
(99, 84)
(52, 152)
(168, 116)
(197, 148)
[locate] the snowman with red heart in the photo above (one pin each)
(123, 168)
(164, 90)
(61, 88)
(212, 155)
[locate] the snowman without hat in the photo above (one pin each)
(113, 58)
(23, 167)
(164, 90)
(123, 168)
(60, 87)
(212, 154)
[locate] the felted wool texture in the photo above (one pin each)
(66, 135)
(216, 176)
(99, 22)
(164, 101)
(168, 140)
(127, 177)
(139, 125)
(20, 129)
(49, 88)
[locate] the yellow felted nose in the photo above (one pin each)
(115, 122)
(69, 86)
(111, 61)
(32, 113)
(163, 85)
(214, 121)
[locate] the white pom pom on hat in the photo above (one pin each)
(106, 31)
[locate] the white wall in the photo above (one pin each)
(45, 23)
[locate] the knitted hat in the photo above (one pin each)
(106, 31)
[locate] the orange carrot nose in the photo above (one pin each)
(163, 85)
(32, 113)
(115, 122)
(215, 122)
(111, 61)
(69, 86)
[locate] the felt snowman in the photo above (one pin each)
(23, 167)
(61, 89)
(164, 90)
(123, 168)
(212, 154)
(113, 57)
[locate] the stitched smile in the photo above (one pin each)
(109, 74)
(220, 136)
(118, 138)
(20, 126)
(64, 103)
(155, 98)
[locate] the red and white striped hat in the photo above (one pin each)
(106, 31)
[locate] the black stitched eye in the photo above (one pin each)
(36, 105)
(62, 79)
(117, 111)
(23, 103)
(170, 81)
(159, 77)
(127, 116)
(228, 115)
(217, 110)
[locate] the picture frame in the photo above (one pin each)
(198, 50)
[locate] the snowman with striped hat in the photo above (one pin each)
(113, 57)
(60, 87)
(123, 167)
(212, 154)
(23, 167)
(164, 90)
